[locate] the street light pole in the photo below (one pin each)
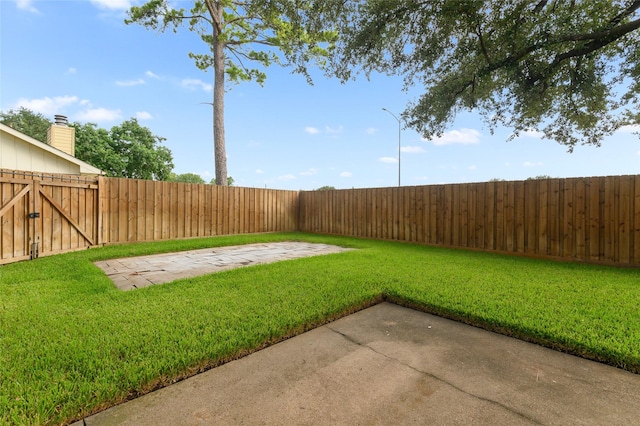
(399, 125)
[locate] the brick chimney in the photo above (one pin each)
(61, 136)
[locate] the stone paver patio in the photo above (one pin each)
(143, 271)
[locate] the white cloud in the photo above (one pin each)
(61, 104)
(259, 171)
(194, 83)
(286, 177)
(311, 130)
(309, 172)
(97, 115)
(334, 131)
(371, 131)
(129, 83)
(531, 133)
(27, 5)
(112, 4)
(463, 136)
(152, 75)
(532, 164)
(47, 105)
(388, 160)
(143, 115)
(346, 174)
(631, 128)
(473, 167)
(72, 71)
(412, 149)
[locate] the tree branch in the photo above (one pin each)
(611, 34)
(599, 42)
(540, 6)
(482, 46)
(214, 15)
(192, 17)
(239, 42)
(239, 56)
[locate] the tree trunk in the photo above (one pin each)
(219, 149)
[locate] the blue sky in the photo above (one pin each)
(79, 59)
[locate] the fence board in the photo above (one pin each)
(464, 215)
(554, 216)
(580, 220)
(490, 216)
(447, 214)
(473, 215)
(500, 221)
(455, 215)
(636, 221)
(610, 218)
(625, 219)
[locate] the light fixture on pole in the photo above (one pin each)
(399, 125)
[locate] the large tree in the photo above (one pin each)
(26, 121)
(127, 150)
(568, 68)
(94, 145)
(237, 32)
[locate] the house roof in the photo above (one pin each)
(85, 168)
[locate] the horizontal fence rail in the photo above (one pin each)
(585, 219)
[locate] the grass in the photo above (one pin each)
(72, 344)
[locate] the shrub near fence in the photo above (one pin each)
(593, 219)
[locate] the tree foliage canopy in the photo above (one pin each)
(186, 178)
(239, 33)
(230, 181)
(128, 150)
(570, 69)
(26, 121)
(262, 32)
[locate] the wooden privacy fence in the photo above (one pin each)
(143, 210)
(43, 214)
(588, 219)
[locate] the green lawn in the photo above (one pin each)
(72, 344)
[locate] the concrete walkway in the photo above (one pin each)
(143, 271)
(392, 365)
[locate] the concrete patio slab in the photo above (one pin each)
(143, 271)
(392, 365)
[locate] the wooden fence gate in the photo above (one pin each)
(44, 214)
